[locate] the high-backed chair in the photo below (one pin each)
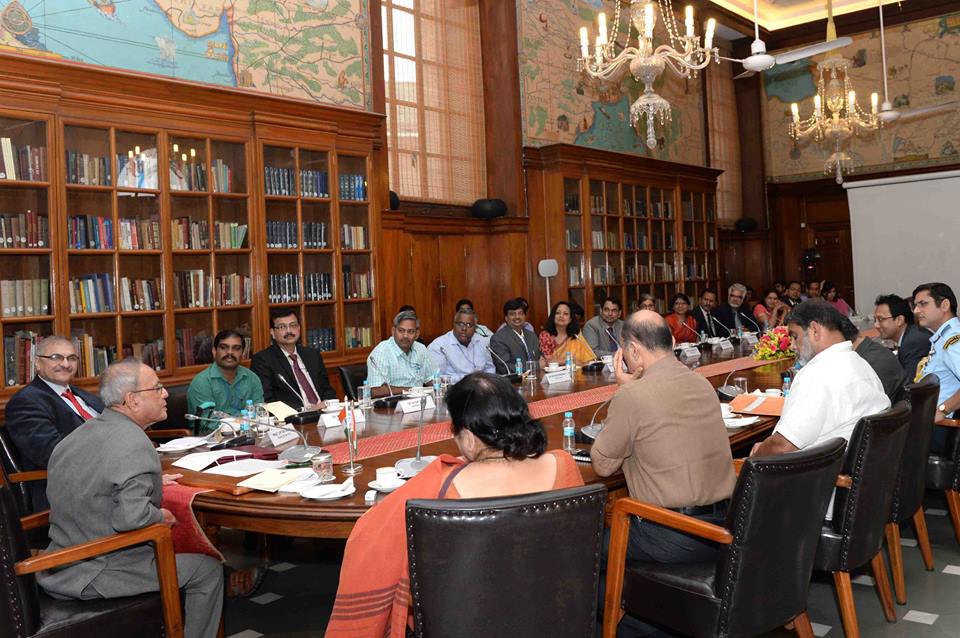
(943, 472)
(176, 408)
(861, 509)
(907, 503)
(27, 612)
(11, 465)
(761, 577)
(352, 378)
(527, 565)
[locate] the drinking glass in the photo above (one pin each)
(741, 383)
(353, 442)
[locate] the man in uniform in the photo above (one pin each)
(935, 308)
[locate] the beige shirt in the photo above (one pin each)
(666, 431)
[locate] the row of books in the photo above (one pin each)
(89, 232)
(357, 285)
(230, 234)
(94, 359)
(222, 177)
(635, 242)
(137, 169)
(314, 183)
(191, 289)
(602, 240)
(318, 286)
(233, 290)
(25, 297)
(637, 273)
(696, 271)
(92, 293)
(353, 186)
(284, 287)
(358, 336)
(27, 163)
(24, 230)
(139, 234)
(189, 234)
(194, 347)
(573, 239)
(603, 275)
(663, 271)
(574, 276)
(187, 176)
(19, 362)
(636, 208)
(314, 235)
(571, 204)
(354, 237)
(150, 352)
(279, 181)
(89, 170)
(281, 234)
(140, 294)
(322, 339)
(659, 240)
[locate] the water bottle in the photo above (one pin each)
(703, 336)
(569, 428)
(244, 422)
(570, 363)
(436, 384)
(518, 366)
(786, 386)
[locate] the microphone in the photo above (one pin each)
(729, 329)
(514, 378)
(303, 402)
(684, 324)
(295, 454)
(750, 319)
(728, 392)
(380, 372)
(483, 333)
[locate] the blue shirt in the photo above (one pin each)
(944, 359)
(457, 360)
(402, 369)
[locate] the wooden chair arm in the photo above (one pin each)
(32, 475)
(168, 434)
(737, 466)
(950, 423)
(35, 521)
(844, 480)
(157, 534)
(617, 556)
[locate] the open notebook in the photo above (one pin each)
(757, 405)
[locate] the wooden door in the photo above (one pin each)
(836, 260)
(423, 290)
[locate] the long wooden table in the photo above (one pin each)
(292, 515)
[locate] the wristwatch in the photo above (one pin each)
(942, 408)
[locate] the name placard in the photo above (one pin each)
(689, 353)
(725, 345)
(332, 419)
(406, 406)
(560, 376)
(750, 339)
(280, 436)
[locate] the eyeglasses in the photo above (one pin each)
(59, 358)
(284, 326)
(406, 331)
(464, 326)
(879, 319)
(158, 388)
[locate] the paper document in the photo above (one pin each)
(200, 460)
(280, 410)
(273, 479)
(244, 467)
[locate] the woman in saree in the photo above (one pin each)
(562, 335)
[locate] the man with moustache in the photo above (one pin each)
(602, 332)
(225, 382)
(461, 351)
(702, 314)
(935, 308)
(732, 315)
(400, 362)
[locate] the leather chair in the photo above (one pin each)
(907, 503)
(761, 577)
(352, 378)
(176, 408)
(28, 612)
(515, 566)
(861, 510)
(11, 465)
(943, 472)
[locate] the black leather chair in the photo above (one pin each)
(352, 378)
(176, 408)
(11, 465)
(907, 503)
(861, 509)
(761, 577)
(27, 612)
(943, 472)
(516, 566)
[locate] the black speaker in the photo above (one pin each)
(394, 201)
(488, 208)
(745, 225)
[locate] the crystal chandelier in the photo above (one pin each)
(836, 116)
(683, 55)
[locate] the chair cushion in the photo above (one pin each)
(940, 471)
(130, 616)
(679, 596)
(828, 551)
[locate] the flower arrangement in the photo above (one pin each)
(774, 344)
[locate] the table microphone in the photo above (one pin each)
(295, 454)
(684, 324)
(728, 392)
(380, 372)
(303, 402)
(729, 329)
(750, 319)
(513, 378)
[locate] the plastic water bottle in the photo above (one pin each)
(786, 387)
(244, 422)
(570, 363)
(703, 336)
(569, 429)
(518, 366)
(436, 384)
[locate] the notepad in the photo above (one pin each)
(245, 467)
(757, 405)
(201, 460)
(273, 479)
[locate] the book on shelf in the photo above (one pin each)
(88, 170)
(322, 339)
(233, 289)
(194, 347)
(230, 234)
(140, 294)
(24, 230)
(356, 285)
(711, 243)
(358, 337)
(19, 360)
(25, 297)
(613, 242)
(26, 163)
(571, 204)
(279, 181)
(281, 234)
(189, 234)
(91, 293)
(598, 239)
(150, 352)
(314, 235)
(187, 174)
(139, 234)
(353, 186)
(222, 177)
(191, 289)
(284, 287)
(315, 184)
(318, 286)
(94, 359)
(574, 239)
(596, 205)
(137, 170)
(90, 232)
(353, 237)
(574, 277)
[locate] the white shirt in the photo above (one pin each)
(60, 389)
(828, 397)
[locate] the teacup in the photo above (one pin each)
(773, 392)
(332, 404)
(553, 366)
(387, 476)
(607, 359)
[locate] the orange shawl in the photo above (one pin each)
(373, 598)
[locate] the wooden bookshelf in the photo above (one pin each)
(622, 225)
(148, 210)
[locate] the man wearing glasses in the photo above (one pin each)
(732, 314)
(893, 319)
(461, 351)
(935, 308)
(287, 366)
(47, 409)
(226, 383)
(400, 362)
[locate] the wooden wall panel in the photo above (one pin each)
(745, 258)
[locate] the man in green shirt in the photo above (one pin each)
(226, 383)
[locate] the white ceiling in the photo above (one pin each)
(778, 14)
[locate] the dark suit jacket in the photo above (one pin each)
(886, 366)
(914, 346)
(508, 347)
(37, 420)
(273, 360)
(713, 329)
(725, 315)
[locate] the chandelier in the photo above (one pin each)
(684, 56)
(836, 116)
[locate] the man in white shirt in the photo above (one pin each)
(833, 390)
(461, 351)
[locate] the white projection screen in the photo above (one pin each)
(905, 231)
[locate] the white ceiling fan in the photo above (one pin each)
(887, 113)
(759, 60)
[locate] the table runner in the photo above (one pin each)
(188, 538)
(434, 432)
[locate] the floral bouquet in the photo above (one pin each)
(774, 344)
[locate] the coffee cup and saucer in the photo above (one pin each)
(332, 405)
(387, 480)
(553, 366)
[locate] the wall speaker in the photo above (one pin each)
(394, 201)
(488, 208)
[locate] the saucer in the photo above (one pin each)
(332, 410)
(327, 492)
(742, 422)
(555, 369)
(385, 489)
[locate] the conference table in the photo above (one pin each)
(293, 515)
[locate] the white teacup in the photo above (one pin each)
(387, 476)
(607, 359)
(773, 392)
(332, 404)
(553, 366)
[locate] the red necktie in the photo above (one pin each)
(72, 398)
(303, 381)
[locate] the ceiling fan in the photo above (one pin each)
(887, 113)
(759, 60)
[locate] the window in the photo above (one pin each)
(434, 98)
(724, 138)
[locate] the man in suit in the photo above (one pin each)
(703, 314)
(602, 332)
(893, 319)
(732, 315)
(512, 341)
(105, 478)
(47, 409)
(792, 295)
(286, 360)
